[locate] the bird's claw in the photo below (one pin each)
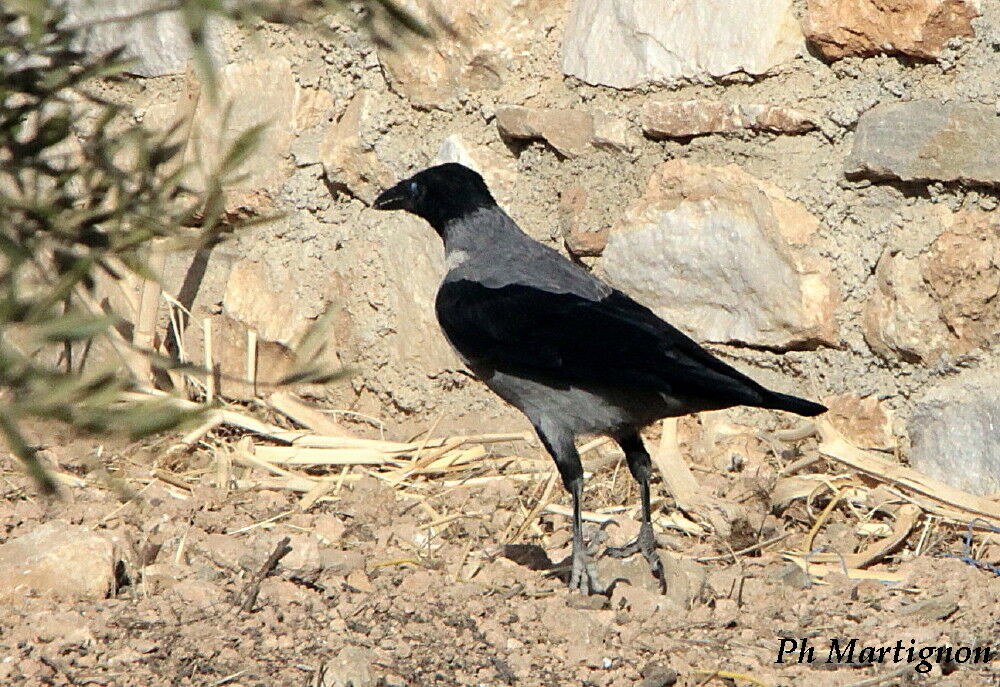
(584, 577)
(629, 549)
(645, 544)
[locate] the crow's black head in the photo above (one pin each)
(438, 194)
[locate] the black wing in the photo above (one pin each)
(570, 339)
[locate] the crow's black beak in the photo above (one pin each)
(395, 198)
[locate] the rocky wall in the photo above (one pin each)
(808, 187)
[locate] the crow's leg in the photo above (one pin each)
(560, 447)
(640, 466)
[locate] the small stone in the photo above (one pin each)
(342, 563)
(570, 131)
(580, 241)
(866, 422)
(665, 119)
(58, 559)
(687, 118)
(614, 133)
(587, 602)
(328, 528)
(931, 609)
(657, 675)
(927, 140)
(358, 579)
(304, 558)
(351, 668)
(794, 576)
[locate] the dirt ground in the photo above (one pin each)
(436, 585)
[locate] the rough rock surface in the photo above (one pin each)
(953, 433)
(943, 300)
(865, 422)
(350, 608)
(476, 51)
(725, 257)
(260, 93)
(352, 667)
(614, 133)
(59, 559)
(263, 297)
(349, 163)
(335, 250)
(230, 350)
(687, 118)
(158, 44)
(580, 241)
(928, 140)
(629, 43)
(499, 171)
(918, 28)
(901, 318)
(568, 131)
(390, 286)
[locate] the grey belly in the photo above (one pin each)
(583, 411)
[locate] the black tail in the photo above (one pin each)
(792, 404)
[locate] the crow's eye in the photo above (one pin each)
(413, 188)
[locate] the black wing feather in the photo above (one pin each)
(575, 340)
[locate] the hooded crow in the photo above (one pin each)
(573, 354)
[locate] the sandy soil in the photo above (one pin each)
(451, 586)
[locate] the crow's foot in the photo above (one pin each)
(645, 544)
(584, 576)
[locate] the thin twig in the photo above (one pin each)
(253, 587)
(754, 547)
(880, 679)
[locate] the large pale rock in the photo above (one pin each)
(263, 318)
(943, 300)
(726, 257)
(953, 433)
(349, 163)
(484, 37)
(236, 376)
(157, 43)
(499, 171)
(262, 296)
(901, 319)
(250, 94)
(918, 28)
(414, 267)
(687, 118)
(311, 106)
(570, 132)
(962, 270)
(928, 140)
(630, 43)
(58, 559)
